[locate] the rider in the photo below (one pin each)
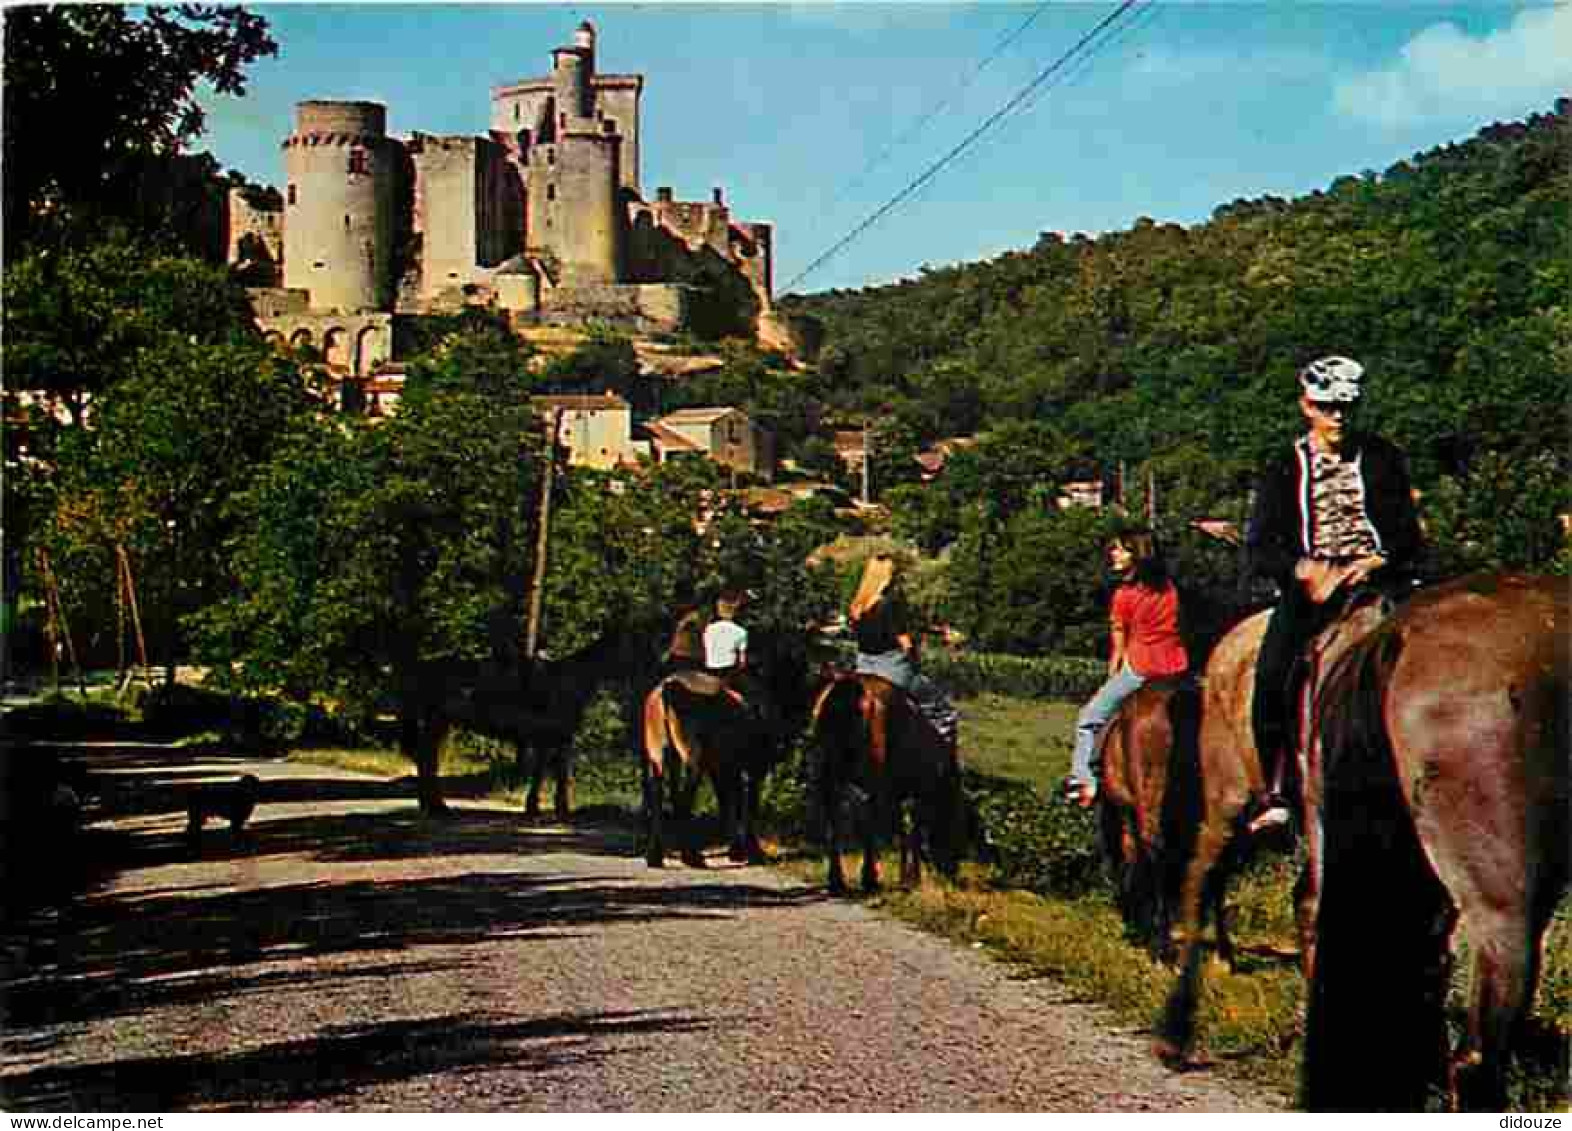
(685, 652)
(1332, 513)
(1144, 645)
(726, 653)
(880, 618)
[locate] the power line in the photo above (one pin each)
(1074, 73)
(917, 126)
(933, 170)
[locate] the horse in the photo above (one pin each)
(1150, 807)
(1227, 771)
(868, 734)
(694, 729)
(1444, 795)
(536, 706)
(559, 692)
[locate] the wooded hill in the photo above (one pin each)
(1175, 348)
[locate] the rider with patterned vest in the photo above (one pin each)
(1335, 512)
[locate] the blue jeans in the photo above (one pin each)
(1101, 708)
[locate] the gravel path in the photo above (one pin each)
(350, 956)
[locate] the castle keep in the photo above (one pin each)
(543, 218)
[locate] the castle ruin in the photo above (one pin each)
(542, 218)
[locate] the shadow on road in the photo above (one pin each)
(335, 1063)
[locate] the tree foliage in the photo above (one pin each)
(126, 82)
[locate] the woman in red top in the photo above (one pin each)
(1145, 645)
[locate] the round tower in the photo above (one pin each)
(584, 39)
(342, 171)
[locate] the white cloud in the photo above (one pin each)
(1443, 72)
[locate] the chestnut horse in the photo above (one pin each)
(869, 735)
(1227, 772)
(1445, 804)
(1150, 807)
(695, 729)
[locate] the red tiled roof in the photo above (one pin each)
(667, 438)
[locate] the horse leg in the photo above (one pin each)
(562, 797)
(729, 802)
(687, 791)
(1176, 1029)
(909, 830)
(529, 770)
(879, 815)
(654, 804)
(1505, 972)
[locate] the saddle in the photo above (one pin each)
(699, 683)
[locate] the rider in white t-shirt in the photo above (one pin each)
(726, 641)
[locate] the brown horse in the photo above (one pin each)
(1445, 805)
(1150, 805)
(868, 735)
(692, 715)
(1228, 770)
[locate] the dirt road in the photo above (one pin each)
(349, 956)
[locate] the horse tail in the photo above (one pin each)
(660, 727)
(835, 723)
(1375, 1034)
(1184, 802)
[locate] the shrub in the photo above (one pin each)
(1024, 677)
(1042, 847)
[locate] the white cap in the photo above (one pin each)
(1333, 380)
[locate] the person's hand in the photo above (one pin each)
(1319, 579)
(1363, 568)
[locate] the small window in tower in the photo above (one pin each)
(357, 161)
(551, 156)
(551, 192)
(291, 194)
(518, 111)
(346, 220)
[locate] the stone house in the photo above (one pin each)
(596, 431)
(726, 435)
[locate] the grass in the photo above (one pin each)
(1248, 1020)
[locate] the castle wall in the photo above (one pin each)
(467, 209)
(648, 307)
(264, 224)
(342, 172)
(349, 343)
(575, 219)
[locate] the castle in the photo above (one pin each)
(542, 218)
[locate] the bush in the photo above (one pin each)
(1041, 847)
(1024, 677)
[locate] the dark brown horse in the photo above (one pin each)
(537, 707)
(694, 730)
(869, 736)
(1445, 805)
(1228, 771)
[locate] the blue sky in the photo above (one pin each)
(812, 116)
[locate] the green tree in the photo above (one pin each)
(138, 73)
(376, 560)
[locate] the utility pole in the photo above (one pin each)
(867, 457)
(542, 539)
(1151, 498)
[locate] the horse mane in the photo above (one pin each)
(1376, 1024)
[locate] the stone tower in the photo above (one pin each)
(575, 216)
(342, 172)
